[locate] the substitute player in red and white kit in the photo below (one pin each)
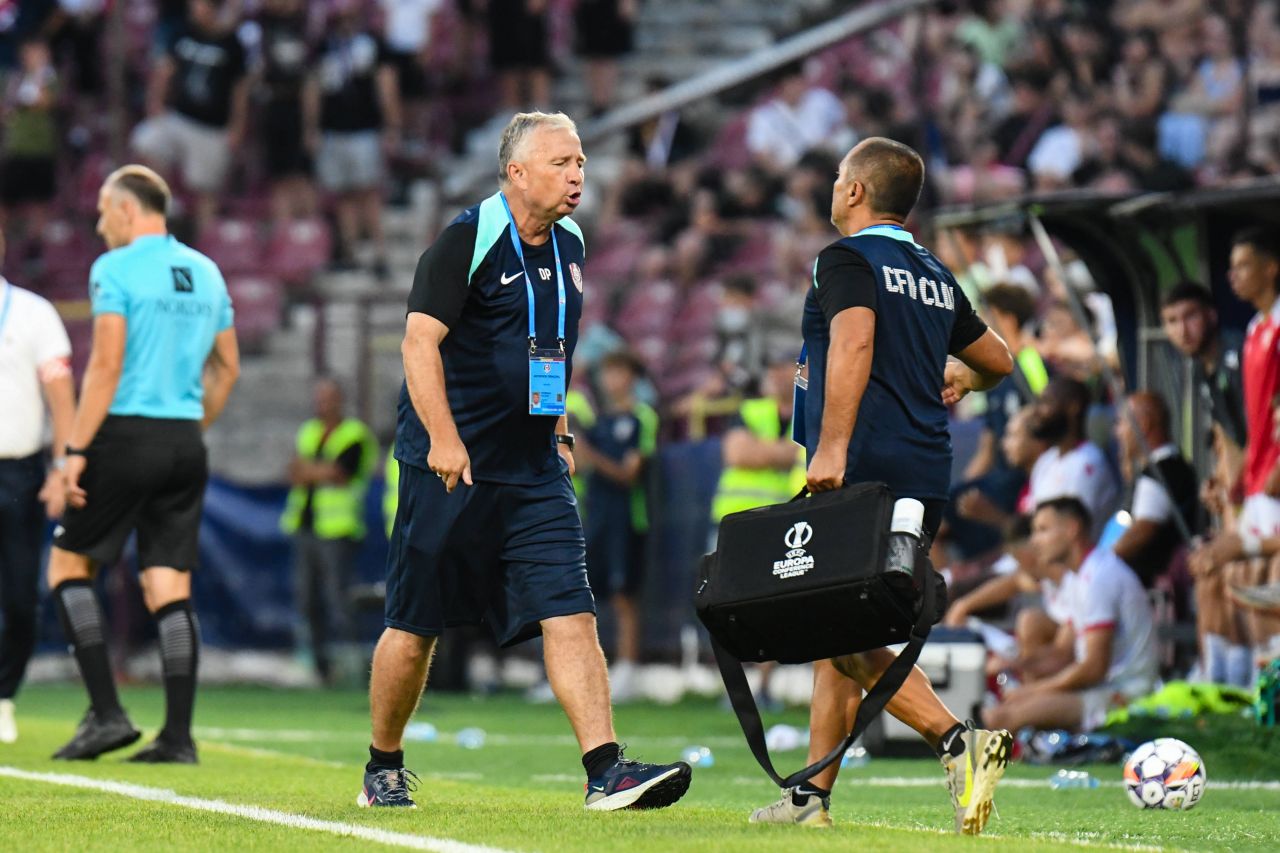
(1254, 272)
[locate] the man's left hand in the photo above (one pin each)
(955, 382)
(53, 494)
(567, 455)
(75, 494)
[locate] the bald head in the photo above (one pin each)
(1151, 413)
(891, 174)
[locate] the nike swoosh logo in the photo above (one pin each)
(507, 280)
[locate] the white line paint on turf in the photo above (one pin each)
(496, 739)
(256, 813)
(926, 782)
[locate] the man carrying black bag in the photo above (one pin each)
(879, 323)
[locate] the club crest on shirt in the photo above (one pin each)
(575, 272)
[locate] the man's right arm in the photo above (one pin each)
(435, 305)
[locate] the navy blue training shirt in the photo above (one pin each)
(900, 437)
(471, 280)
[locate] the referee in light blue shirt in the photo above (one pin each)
(163, 363)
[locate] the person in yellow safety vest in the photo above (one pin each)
(391, 490)
(324, 513)
(582, 417)
(762, 465)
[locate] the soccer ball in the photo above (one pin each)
(1164, 774)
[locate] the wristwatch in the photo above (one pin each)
(565, 438)
(74, 451)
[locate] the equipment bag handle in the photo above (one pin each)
(744, 704)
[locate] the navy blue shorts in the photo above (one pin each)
(501, 555)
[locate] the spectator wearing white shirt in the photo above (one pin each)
(1072, 466)
(1165, 486)
(1061, 149)
(34, 363)
(798, 119)
(406, 29)
(1109, 631)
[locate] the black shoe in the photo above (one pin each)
(97, 735)
(635, 785)
(388, 787)
(161, 751)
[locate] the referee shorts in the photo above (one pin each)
(498, 554)
(143, 474)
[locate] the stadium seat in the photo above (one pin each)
(258, 303)
(298, 251)
(67, 251)
(234, 245)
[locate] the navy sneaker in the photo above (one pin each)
(635, 785)
(385, 787)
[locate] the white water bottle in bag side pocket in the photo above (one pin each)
(905, 531)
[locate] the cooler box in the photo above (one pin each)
(955, 661)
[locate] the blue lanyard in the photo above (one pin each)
(870, 229)
(8, 297)
(528, 282)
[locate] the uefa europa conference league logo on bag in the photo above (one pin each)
(798, 560)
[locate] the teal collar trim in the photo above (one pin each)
(893, 232)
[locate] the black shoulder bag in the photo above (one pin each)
(806, 580)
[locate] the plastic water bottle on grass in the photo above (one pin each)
(855, 756)
(425, 732)
(470, 738)
(1064, 779)
(698, 756)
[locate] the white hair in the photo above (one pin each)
(518, 130)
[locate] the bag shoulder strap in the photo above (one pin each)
(744, 704)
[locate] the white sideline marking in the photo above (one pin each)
(925, 782)
(446, 738)
(256, 813)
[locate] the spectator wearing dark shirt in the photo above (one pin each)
(325, 515)
(518, 51)
(605, 31)
(992, 485)
(283, 60)
(1164, 487)
(1190, 320)
(352, 110)
(197, 106)
(616, 451)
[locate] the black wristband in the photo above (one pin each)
(74, 451)
(565, 438)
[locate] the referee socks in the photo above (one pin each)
(81, 620)
(179, 654)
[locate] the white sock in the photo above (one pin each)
(1214, 665)
(1240, 666)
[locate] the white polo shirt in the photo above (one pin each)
(1105, 593)
(33, 342)
(1082, 472)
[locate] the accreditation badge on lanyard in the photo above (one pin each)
(548, 367)
(798, 395)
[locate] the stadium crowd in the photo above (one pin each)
(703, 249)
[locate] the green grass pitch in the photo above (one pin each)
(301, 753)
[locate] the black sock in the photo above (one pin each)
(82, 624)
(952, 743)
(805, 790)
(179, 655)
(379, 760)
(601, 759)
